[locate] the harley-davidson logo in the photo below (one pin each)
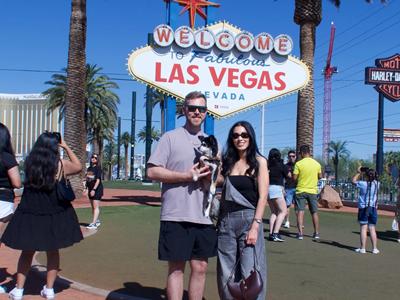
(385, 77)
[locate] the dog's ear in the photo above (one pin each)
(214, 144)
(201, 138)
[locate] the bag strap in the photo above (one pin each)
(238, 260)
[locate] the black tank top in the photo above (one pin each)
(246, 186)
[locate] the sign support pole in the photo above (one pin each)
(379, 148)
(209, 121)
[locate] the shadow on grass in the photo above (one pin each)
(388, 235)
(142, 200)
(135, 289)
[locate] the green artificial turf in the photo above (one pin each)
(122, 257)
(131, 185)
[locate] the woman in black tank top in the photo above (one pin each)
(240, 228)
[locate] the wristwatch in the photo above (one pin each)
(258, 221)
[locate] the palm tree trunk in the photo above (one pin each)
(305, 99)
(74, 127)
(126, 161)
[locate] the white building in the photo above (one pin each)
(26, 117)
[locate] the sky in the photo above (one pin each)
(34, 45)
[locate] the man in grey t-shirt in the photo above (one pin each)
(185, 233)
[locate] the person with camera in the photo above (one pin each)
(42, 221)
(366, 181)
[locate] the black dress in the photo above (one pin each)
(92, 174)
(42, 223)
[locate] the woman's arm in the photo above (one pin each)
(263, 185)
(72, 166)
(15, 179)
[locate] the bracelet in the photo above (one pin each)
(258, 221)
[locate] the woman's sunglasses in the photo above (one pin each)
(95, 157)
(243, 135)
(193, 108)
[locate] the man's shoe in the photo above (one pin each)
(287, 224)
(299, 236)
(315, 236)
(16, 294)
(277, 238)
(47, 293)
(91, 226)
(375, 251)
(360, 250)
(271, 237)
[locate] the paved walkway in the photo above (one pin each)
(69, 290)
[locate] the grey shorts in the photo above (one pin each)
(300, 202)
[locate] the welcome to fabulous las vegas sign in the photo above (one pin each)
(234, 69)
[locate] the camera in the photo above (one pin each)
(364, 169)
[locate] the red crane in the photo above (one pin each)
(328, 72)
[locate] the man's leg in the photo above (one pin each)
(197, 279)
(315, 220)
(176, 269)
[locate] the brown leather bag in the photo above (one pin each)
(248, 288)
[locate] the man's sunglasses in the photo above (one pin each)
(243, 135)
(193, 108)
(292, 155)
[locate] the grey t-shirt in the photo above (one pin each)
(181, 202)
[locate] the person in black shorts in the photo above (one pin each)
(94, 188)
(186, 233)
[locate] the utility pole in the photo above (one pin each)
(133, 121)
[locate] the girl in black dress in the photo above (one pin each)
(41, 222)
(9, 179)
(95, 189)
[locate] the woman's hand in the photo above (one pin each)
(252, 235)
(92, 192)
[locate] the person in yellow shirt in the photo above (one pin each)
(306, 171)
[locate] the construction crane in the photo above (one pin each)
(328, 72)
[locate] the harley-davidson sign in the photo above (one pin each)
(234, 69)
(385, 76)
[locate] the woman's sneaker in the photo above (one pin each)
(287, 224)
(16, 294)
(98, 223)
(360, 250)
(91, 226)
(47, 293)
(277, 237)
(375, 251)
(2, 289)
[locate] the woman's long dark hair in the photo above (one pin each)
(5, 140)
(231, 155)
(97, 161)
(274, 157)
(42, 162)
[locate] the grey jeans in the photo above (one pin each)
(232, 231)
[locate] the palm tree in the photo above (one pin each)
(74, 125)
(308, 15)
(339, 151)
(109, 158)
(100, 105)
(125, 141)
(155, 135)
(156, 97)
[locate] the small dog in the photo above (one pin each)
(209, 157)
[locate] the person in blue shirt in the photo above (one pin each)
(367, 206)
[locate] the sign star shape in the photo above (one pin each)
(195, 7)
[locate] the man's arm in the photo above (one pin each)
(164, 175)
(356, 177)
